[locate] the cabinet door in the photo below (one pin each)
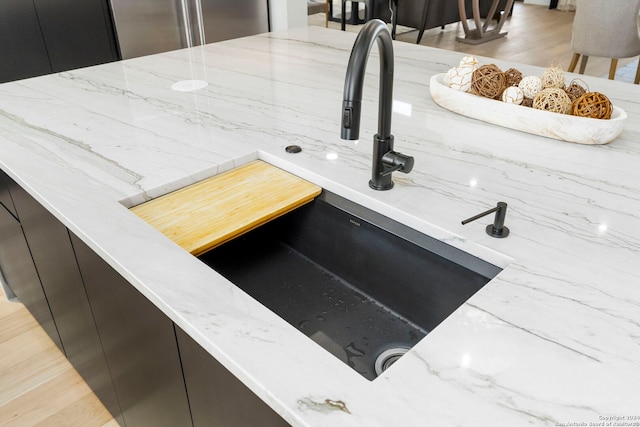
(52, 253)
(217, 398)
(77, 33)
(22, 47)
(20, 273)
(139, 345)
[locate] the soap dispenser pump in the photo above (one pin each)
(497, 229)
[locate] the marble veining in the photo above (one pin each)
(553, 339)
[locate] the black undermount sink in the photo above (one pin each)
(362, 286)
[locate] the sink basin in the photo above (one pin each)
(362, 286)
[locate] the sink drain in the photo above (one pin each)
(388, 358)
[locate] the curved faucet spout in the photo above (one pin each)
(385, 160)
(374, 30)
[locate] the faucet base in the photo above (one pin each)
(386, 186)
(379, 179)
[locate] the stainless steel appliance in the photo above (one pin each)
(144, 27)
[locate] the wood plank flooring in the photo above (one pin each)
(38, 386)
(537, 36)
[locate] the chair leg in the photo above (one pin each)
(574, 62)
(583, 64)
(612, 68)
(394, 18)
(368, 11)
(343, 19)
(420, 34)
(326, 14)
(637, 79)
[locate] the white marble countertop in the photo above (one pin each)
(554, 338)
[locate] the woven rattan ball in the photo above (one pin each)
(460, 78)
(488, 81)
(512, 95)
(592, 104)
(530, 86)
(575, 90)
(447, 77)
(469, 61)
(553, 77)
(553, 99)
(527, 102)
(513, 77)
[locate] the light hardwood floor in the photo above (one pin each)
(537, 35)
(38, 386)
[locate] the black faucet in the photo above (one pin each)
(385, 160)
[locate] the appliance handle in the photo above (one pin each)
(200, 21)
(186, 21)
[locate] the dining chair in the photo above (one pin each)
(368, 7)
(605, 29)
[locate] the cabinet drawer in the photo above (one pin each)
(5, 195)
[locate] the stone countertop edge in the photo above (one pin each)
(553, 339)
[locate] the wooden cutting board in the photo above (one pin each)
(210, 212)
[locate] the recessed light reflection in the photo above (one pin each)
(473, 182)
(465, 362)
(331, 156)
(602, 228)
(402, 108)
(189, 85)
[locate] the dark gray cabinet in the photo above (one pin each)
(146, 371)
(139, 344)
(76, 33)
(42, 36)
(53, 255)
(22, 47)
(5, 195)
(217, 398)
(20, 273)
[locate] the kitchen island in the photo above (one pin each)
(553, 339)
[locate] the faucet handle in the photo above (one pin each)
(396, 162)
